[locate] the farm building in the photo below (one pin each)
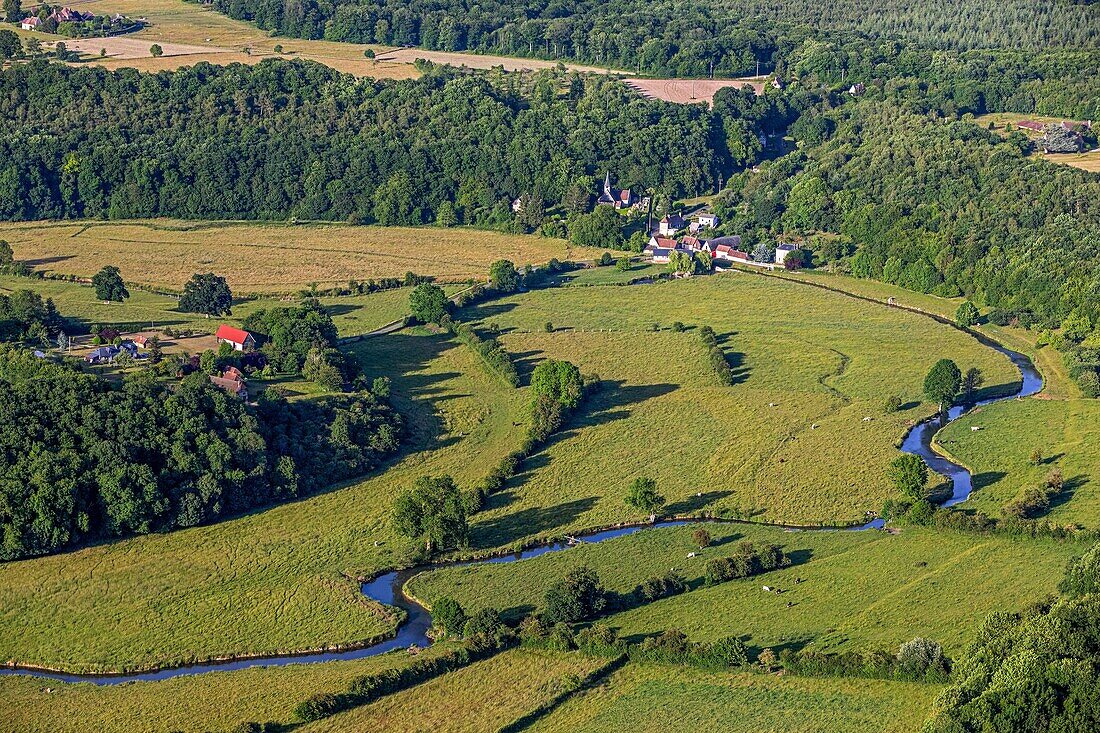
(782, 251)
(232, 381)
(239, 339)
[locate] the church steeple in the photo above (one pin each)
(607, 185)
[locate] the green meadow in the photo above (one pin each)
(214, 701)
(846, 590)
(1065, 432)
(649, 698)
(787, 443)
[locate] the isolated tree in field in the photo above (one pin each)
(207, 294)
(560, 381)
(942, 383)
(433, 512)
(7, 256)
(909, 473)
(503, 276)
(643, 495)
(109, 286)
(428, 303)
(576, 597)
(701, 537)
(972, 381)
(156, 51)
(605, 259)
(967, 314)
(623, 265)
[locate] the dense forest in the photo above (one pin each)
(984, 64)
(296, 139)
(81, 460)
(932, 204)
(619, 29)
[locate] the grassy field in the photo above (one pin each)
(478, 698)
(272, 258)
(215, 701)
(174, 22)
(655, 699)
(276, 580)
(859, 589)
(353, 315)
(787, 443)
(1066, 432)
(273, 580)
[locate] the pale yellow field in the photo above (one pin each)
(480, 61)
(1089, 161)
(272, 258)
(690, 91)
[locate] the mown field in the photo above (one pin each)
(482, 697)
(276, 580)
(647, 698)
(353, 315)
(272, 258)
(215, 701)
(788, 443)
(858, 590)
(1065, 432)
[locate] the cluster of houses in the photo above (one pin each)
(663, 244)
(58, 16)
(107, 353)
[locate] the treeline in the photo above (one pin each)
(288, 139)
(935, 205)
(81, 460)
(628, 33)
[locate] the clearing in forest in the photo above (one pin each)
(691, 91)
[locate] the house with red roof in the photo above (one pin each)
(239, 339)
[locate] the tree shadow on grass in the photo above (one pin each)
(695, 503)
(985, 479)
(526, 522)
(1069, 488)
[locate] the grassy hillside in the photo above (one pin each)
(788, 443)
(654, 699)
(858, 589)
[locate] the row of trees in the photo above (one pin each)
(82, 460)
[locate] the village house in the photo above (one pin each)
(703, 220)
(660, 249)
(68, 15)
(857, 89)
(232, 381)
(711, 246)
(670, 224)
(239, 339)
(782, 251)
(108, 353)
(693, 243)
(30, 24)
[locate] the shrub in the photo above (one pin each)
(660, 586)
(576, 597)
(701, 537)
(921, 658)
(319, 706)
(891, 404)
(448, 615)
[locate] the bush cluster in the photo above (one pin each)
(919, 660)
(750, 559)
(660, 586)
(718, 361)
(490, 350)
(1036, 500)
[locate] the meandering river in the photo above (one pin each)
(387, 588)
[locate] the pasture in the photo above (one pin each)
(1065, 432)
(858, 590)
(268, 258)
(282, 578)
(482, 697)
(650, 698)
(788, 443)
(215, 701)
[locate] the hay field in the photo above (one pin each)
(649, 698)
(690, 91)
(1089, 161)
(484, 61)
(272, 258)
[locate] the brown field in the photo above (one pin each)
(479, 61)
(272, 258)
(1089, 161)
(130, 47)
(690, 91)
